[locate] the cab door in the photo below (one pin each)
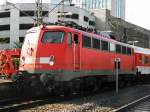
(76, 51)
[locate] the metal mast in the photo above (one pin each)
(38, 13)
(62, 12)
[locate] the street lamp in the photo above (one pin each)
(133, 42)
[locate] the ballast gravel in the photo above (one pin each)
(102, 102)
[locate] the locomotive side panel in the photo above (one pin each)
(67, 53)
(95, 60)
(98, 54)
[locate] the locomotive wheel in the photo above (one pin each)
(98, 84)
(76, 86)
(91, 85)
(67, 89)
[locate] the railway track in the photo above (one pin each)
(19, 103)
(140, 105)
(15, 105)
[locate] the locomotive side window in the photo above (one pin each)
(53, 37)
(96, 43)
(105, 45)
(112, 47)
(124, 50)
(129, 51)
(68, 38)
(118, 48)
(86, 41)
(76, 38)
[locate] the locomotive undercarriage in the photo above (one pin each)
(38, 82)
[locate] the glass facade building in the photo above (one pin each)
(92, 4)
(117, 7)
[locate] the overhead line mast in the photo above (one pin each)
(38, 13)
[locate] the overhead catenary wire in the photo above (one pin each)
(54, 8)
(13, 5)
(46, 15)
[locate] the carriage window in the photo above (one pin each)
(118, 48)
(129, 52)
(96, 43)
(112, 47)
(53, 37)
(146, 59)
(86, 41)
(104, 45)
(124, 50)
(68, 38)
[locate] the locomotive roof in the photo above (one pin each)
(77, 30)
(141, 50)
(136, 49)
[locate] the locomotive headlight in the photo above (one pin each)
(51, 61)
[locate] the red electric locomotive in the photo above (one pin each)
(65, 57)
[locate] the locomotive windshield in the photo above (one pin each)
(53, 37)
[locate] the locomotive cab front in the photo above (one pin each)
(47, 50)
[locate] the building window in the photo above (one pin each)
(4, 14)
(45, 13)
(32, 13)
(27, 13)
(92, 23)
(4, 27)
(4, 40)
(21, 39)
(96, 43)
(68, 16)
(86, 19)
(86, 41)
(25, 26)
(75, 16)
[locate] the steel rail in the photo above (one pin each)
(132, 105)
(30, 103)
